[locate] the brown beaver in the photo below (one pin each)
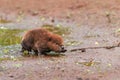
(41, 41)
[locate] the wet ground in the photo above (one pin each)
(82, 24)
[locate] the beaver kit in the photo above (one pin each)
(42, 41)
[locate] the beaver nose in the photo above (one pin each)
(63, 49)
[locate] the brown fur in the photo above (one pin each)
(42, 41)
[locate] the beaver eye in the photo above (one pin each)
(49, 39)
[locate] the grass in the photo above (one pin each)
(10, 36)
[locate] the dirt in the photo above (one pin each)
(92, 24)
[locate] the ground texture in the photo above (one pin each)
(92, 23)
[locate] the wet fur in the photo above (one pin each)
(41, 41)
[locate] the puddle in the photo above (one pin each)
(10, 40)
(55, 54)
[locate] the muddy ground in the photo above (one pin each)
(91, 23)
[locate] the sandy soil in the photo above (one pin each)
(92, 23)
